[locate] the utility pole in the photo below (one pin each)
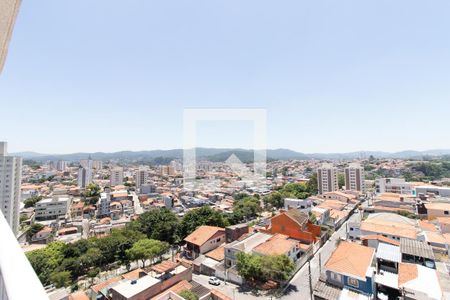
(310, 279)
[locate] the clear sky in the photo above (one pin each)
(334, 76)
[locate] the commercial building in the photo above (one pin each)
(52, 208)
(393, 185)
(354, 178)
(327, 178)
(10, 181)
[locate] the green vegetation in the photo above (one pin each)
(291, 190)
(159, 224)
(341, 180)
(54, 262)
(35, 228)
(201, 216)
(263, 268)
(188, 295)
(146, 249)
(31, 202)
(433, 170)
(244, 209)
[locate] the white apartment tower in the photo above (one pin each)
(327, 179)
(10, 181)
(141, 176)
(354, 178)
(116, 176)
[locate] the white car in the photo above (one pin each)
(214, 281)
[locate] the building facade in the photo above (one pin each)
(327, 179)
(116, 176)
(10, 181)
(354, 178)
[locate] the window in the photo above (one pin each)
(353, 282)
(336, 277)
(446, 212)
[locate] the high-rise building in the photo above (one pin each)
(327, 179)
(116, 176)
(10, 181)
(141, 176)
(61, 165)
(85, 173)
(354, 178)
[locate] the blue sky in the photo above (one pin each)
(334, 76)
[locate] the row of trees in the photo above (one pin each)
(145, 238)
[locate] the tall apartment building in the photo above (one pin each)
(393, 185)
(116, 176)
(10, 181)
(141, 176)
(327, 179)
(355, 178)
(61, 165)
(84, 177)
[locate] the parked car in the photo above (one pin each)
(214, 281)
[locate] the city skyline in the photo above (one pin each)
(319, 70)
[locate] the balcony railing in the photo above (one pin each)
(18, 281)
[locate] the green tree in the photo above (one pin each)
(31, 202)
(312, 217)
(146, 249)
(188, 295)
(160, 224)
(312, 185)
(61, 279)
(341, 180)
(201, 216)
(262, 268)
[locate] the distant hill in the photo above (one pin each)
(222, 154)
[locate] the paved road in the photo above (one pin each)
(299, 286)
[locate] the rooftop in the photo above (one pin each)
(129, 289)
(203, 234)
(351, 259)
(416, 248)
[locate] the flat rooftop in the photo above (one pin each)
(129, 290)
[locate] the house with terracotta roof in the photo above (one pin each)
(279, 244)
(296, 225)
(350, 268)
(204, 239)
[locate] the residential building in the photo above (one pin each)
(303, 205)
(432, 189)
(389, 225)
(350, 268)
(393, 185)
(327, 178)
(84, 177)
(52, 208)
(279, 244)
(104, 205)
(245, 245)
(354, 178)
(234, 232)
(10, 182)
(61, 165)
(116, 176)
(296, 225)
(141, 176)
(204, 239)
(437, 209)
